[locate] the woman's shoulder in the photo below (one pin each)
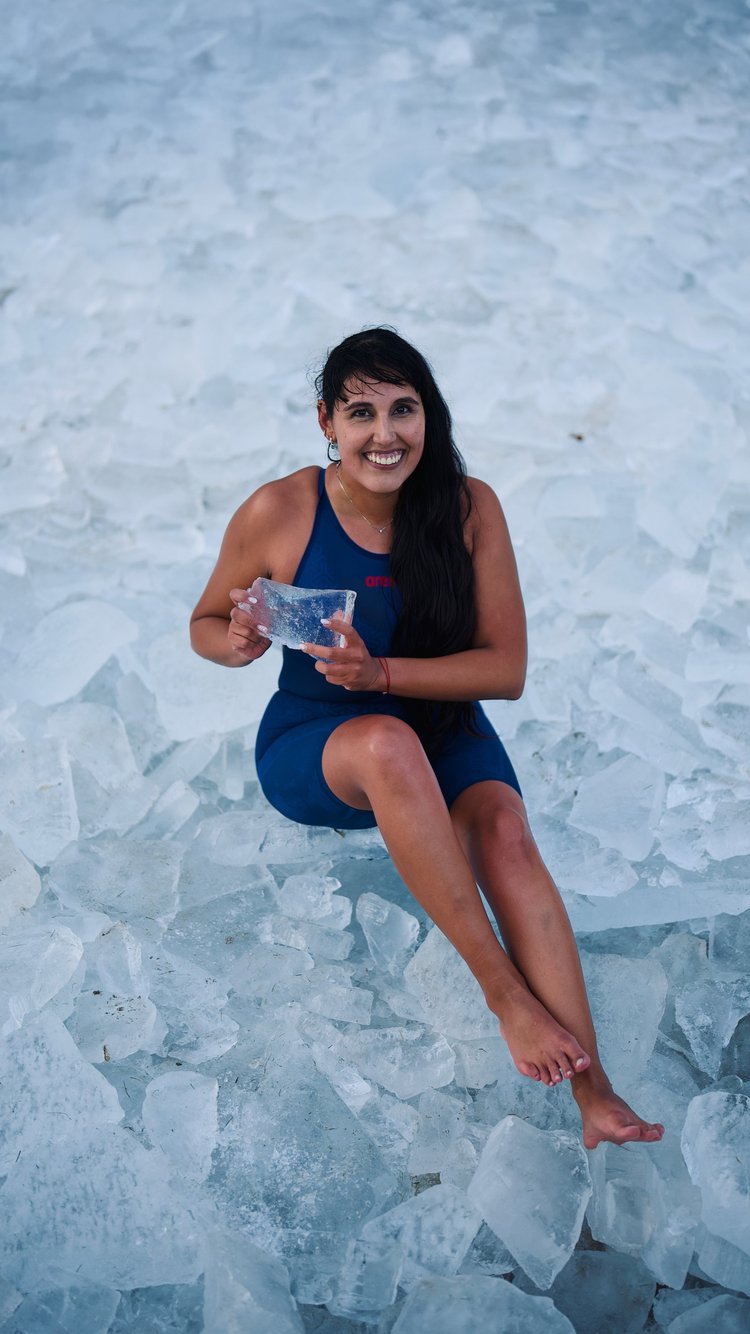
(485, 508)
(272, 500)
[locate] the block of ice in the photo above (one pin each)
(245, 1289)
(406, 1061)
(677, 598)
(471, 1302)
(35, 963)
(195, 696)
(724, 1263)
(627, 1000)
(368, 1280)
(578, 863)
(109, 1027)
(441, 1121)
(532, 1187)
(292, 616)
(194, 1006)
(84, 634)
(729, 942)
(450, 995)
(725, 1314)
(45, 1084)
(96, 740)
(300, 935)
(72, 1308)
(708, 1011)
(618, 1290)
(314, 898)
(100, 1207)
(433, 1231)
(128, 879)
(36, 795)
(716, 1148)
(179, 1114)
(390, 932)
(115, 960)
(621, 805)
(19, 881)
(274, 1177)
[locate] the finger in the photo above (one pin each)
(339, 626)
(239, 594)
(325, 651)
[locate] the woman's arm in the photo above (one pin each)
(494, 667)
(218, 629)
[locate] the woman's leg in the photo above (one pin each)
(491, 824)
(377, 762)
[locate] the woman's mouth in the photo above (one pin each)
(383, 460)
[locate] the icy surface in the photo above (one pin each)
(293, 616)
(238, 1064)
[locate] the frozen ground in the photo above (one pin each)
(218, 1080)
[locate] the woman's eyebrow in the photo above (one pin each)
(364, 403)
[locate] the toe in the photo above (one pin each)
(527, 1068)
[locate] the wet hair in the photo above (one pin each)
(430, 564)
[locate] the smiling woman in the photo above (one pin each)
(388, 729)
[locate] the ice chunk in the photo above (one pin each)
(194, 1005)
(532, 1188)
(716, 1147)
(677, 598)
(442, 1119)
(314, 898)
(729, 832)
(450, 995)
(708, 1012)
(96, 740)
(195, 696)
(179, 1113)
(36, 795)
(471, 1302)
(729, 942)
(600, 1290)
(579, 864)
(72, 1308)
(109, 1027)
(246, 1289)
(137, 881)
(621, 805)
(721, 1261)
(300, 935)
(434, 1230)
(627, 1000)
(369, 1278)
(406, 1061)
(46, 1085)
(725, 1314)
(97, 1205)
(292, 615)
(294, 1163)
(260, 970)
(19, 881)
(115, 959)
(83, 635)
(35, 963)
(390, 932)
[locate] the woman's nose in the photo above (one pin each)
(383, 431)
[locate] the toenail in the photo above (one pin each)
(580, 1060)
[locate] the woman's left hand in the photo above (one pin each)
(352, 667)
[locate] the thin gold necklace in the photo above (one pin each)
(377, 528)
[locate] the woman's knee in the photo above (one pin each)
(503, 827)
(382, 744)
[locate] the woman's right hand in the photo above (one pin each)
(243, 635)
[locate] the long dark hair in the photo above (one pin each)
(430, 564)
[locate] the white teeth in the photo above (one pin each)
(383, 460)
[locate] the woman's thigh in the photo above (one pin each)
(290, 772)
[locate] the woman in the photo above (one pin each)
(350, 741)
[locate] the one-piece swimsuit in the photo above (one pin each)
(306, 708)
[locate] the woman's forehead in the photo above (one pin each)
(360, 387)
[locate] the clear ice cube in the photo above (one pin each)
(292, 616)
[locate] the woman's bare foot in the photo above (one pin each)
(606, 1117)
(541, 1048)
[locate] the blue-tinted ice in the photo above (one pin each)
(292, 616)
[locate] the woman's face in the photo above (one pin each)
(380, 432)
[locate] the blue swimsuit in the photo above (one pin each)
(306, 708)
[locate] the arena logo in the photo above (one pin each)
(379, 581)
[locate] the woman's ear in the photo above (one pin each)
(323, 420)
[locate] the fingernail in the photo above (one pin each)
(252, 599)
(324, 620)
(263, 629)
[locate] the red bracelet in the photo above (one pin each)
(384, 664)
